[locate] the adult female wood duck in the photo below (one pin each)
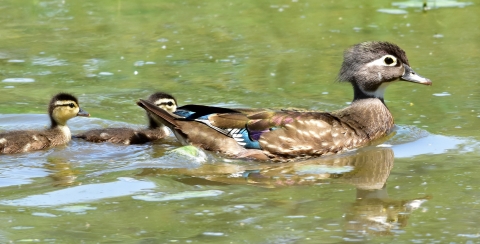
(62, 107)
(282, 135)
(127, 136)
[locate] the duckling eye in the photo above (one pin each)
(165, 104)
(71, 105)
(390, 60)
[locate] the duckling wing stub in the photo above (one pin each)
(113, 135)
(26, 141)
(125, 136)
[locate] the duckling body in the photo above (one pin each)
(128, 136)
(283, 135)
(26, 141)
(62, 107)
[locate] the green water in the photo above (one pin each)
(421, 187)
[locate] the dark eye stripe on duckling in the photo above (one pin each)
(71, 105)
(165, 103)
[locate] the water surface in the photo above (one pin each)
(420, 186)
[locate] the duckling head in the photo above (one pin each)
(371, 66)
(163, 100)
(63, 107)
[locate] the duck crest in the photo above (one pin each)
(286, 134)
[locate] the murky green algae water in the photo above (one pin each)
(421, 186)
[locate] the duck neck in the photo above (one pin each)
(63, 129)
(368, 115)
(151, 123)
(359, 94)
(53, 123)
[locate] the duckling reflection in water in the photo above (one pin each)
(127, 136)
(62, 107)
(61, 171)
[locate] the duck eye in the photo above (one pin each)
(389, 61)
(169, 104)
(71, 105)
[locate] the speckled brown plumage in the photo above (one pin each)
(283, 135)
(62, 107)
(317, 133)
(127, 136)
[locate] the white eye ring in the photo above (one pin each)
(385, 60)
(389, 60)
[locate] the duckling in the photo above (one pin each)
(127, 136)
(62, 107)
(286, 135)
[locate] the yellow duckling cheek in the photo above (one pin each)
(64, 113)
(171, 109)
(76, 110)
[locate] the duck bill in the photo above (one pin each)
(410, 75)
(83, 113)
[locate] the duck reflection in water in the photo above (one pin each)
(368, 169)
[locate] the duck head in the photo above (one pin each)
(371, 66)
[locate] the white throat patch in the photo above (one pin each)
(380, 92)
(65, 131)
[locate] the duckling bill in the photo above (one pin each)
(283, 135)
(127, 136)
(62, 107)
